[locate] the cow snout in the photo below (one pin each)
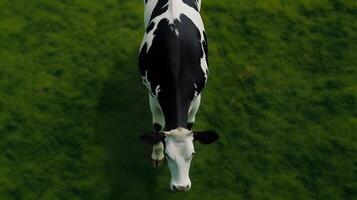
(178, 188)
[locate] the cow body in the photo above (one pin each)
(173, 60)
(173, 65)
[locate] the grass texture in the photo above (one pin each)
(282, 94)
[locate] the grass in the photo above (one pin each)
(282, 94)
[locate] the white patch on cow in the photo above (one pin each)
(195, 104)
(196, 92)
(147, 84)
(149, 38)
(158, 152)
(157, 90)
(204, 65)
(157, 114)
(199, 5)
(149, 8)
(179, 152)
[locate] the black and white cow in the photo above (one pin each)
(173, 65)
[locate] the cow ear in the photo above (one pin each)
(205, 137)
(152, 137)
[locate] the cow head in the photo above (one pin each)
(179, 151)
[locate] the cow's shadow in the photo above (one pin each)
(123, 114)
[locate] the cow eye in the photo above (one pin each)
(189, 158)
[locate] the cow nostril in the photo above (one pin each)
(180, 188)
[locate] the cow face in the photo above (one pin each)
(179, 151)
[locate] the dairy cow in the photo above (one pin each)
(173, 63)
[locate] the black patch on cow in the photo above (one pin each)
(150, 27)
(173, 63)
(157, 127)
(192, 3)
(161, 7)
(152, 137)
(205, 137)
(189, 126)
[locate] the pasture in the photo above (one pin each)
(282, 94)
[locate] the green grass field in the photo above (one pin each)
(282, 94)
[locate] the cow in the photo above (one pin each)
(173, 63)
